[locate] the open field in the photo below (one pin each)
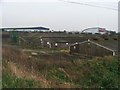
(33, 65)
(57, 69)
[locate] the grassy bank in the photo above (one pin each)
(11, 81)
(56, 70)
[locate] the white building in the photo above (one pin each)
(95, 30)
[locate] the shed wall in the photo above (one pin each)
(90, 49)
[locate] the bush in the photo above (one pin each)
(102, 73)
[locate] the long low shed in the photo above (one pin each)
(90, 48)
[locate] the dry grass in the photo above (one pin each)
(59, 69)
(19, 63)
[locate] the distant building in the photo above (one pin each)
(95, 30)
(26, 29)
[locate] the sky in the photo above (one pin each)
(59, 15)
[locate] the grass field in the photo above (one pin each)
(57, 69)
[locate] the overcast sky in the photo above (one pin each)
(60, 15)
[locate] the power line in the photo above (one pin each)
(90, 5)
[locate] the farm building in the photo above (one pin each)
(90, 48)
(64, 42)
(60, 42)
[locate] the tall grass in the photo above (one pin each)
(98, 72)
(11, 81)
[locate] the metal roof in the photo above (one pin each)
(94, 28)
(39, 28)
(103, 46)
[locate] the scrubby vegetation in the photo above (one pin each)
(59, 69)
(101, 73)
(11, 81)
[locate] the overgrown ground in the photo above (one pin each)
(57, 69)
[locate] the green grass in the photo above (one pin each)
(0, 83)
(58, 75)
(11, 81)
(101, 73)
